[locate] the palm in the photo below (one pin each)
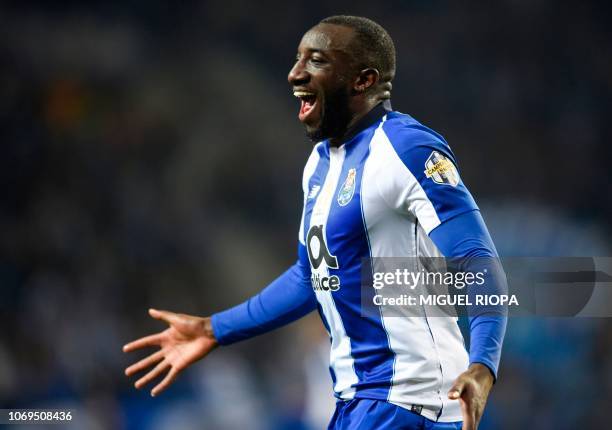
(184, 342)
(183, 345)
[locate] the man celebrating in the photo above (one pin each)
(377, 184)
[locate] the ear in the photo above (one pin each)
(366, 79)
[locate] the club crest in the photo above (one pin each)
(441, 170)
(348, 188)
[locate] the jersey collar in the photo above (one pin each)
(373, 116)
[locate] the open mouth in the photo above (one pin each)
(308, 102)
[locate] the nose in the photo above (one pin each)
(298, 74)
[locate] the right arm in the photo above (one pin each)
(286, 299)
(190, 338)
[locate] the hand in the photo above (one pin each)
(187, 340)
(472, 389)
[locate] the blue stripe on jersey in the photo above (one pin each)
(414, 143)
(347, 239)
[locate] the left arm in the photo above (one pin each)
(466, 237)
(429, 187)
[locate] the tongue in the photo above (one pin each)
(305, 108)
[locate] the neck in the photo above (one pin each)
(354, 123)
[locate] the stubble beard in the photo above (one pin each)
(335, 117)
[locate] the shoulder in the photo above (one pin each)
(313, 160)
(412, 141)
(418, 170)
(422, 151)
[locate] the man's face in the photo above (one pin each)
(322, 79)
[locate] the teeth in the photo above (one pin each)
(302, 94)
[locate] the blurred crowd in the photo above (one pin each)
(151, 156)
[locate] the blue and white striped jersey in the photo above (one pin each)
(380, 194)
(386, 191)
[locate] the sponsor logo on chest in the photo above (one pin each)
(318, 252)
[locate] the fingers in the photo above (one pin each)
(457, 389)
(168, 379)
(151, 340)
(168, 317)
(158, 370)
(154, 339)
(144, 363)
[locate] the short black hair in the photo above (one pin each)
(371, 46)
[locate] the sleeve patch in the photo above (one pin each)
(441, 170)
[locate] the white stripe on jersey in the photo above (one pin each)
(419, 368)
(392, 234)
(403, 190)
(341, 359)
(309, 169)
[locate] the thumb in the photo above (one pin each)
(456, 390)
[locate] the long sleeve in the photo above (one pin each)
(287, 298)
(467, 238)
(434, 193)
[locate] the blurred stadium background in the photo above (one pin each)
(151, 156)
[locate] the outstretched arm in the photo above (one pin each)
(190, 338)
(187, 339)
(285, 300)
